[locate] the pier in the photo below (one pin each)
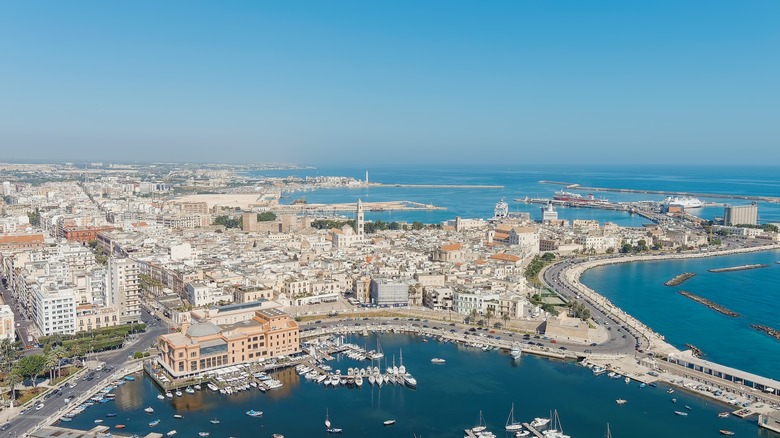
(680, 279)
(739, 268)
(574, 186)
(714, 306)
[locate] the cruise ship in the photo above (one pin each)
(576, 197)
(685, 202)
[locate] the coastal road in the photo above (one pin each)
(55, 404)
(622, 339)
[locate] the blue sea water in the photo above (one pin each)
(523, 180)
(448, 399)
(639, 290)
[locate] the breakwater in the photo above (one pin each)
(680, 279)
(575, 186)
(714, 306)
(768, 330)
(739, 268)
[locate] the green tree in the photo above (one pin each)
(228, 221)
(266, 216)
(417, 225)
(505, 318)
(31, 366)
(626, 248)
(610, 250)
(473, 316)
(489, 314)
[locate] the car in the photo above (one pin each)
(395, 319)
(39, 406)
(357, 323)
(472, 329)
(562, 348)
(452, 330)
(425, 326)
(624, 336)
(452, 324)
(68, 399)
(318, 322)
(593, 344)
(540, 344)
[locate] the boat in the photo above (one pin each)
(621, 401)
(160, 397)
(681, 413)
(438, 360)
(670, 391)
(66, 419)
(189, 390)
(120, 426)
(401, 367)
(198, 387)
(388, 422)
(98, 421)
(576, 197)
(410, 381)
(522, 433)
(684, 202)
(687, 407)
(627, 380)
(129, 378)
(169, 394)
(154, 423)
(726, 432)
(254, 413)
(203, 434)
(674, 400)
(171, 433)
(215, 421)
(511, 423)
(149, 410)
(480, 427)
(333, 430)
(539, 422)
(328, 427)
(177, 416)
(516, 353)
(723, 414)
(178, 393)
(111, 415)
(378, 354)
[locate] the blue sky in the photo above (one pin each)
(359, 82)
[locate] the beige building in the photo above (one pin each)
(207, 346)
(7, 329)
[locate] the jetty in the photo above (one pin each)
(680, 279)
(768, 330)
(739, 268)
(696, 351)
(574, 186)
(714, 306)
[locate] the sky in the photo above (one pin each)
(360, 82)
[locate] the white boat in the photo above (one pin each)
(371, 379)
(401, 367)
(556, 430)
(169, 394)
(212, 387)
(684, 202)
(203, 434)
(378, 354)
(516, 353)
(189, 390)
(160, 397)
(511, 423)
(681, 413)
(198, 387)
(154, 423)
(178, 416)
(359, 381)
(410, 381)
(480, 427)
(438, 360)
(171, 433)
(539, 422)
(149, 410)
(522, 433)
(254, 413)
(627, 380)
(388, 422)
(215, 421)
(620, 401)
(178, 393)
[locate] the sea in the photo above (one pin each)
(450, 397)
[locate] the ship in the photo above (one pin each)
(684, 202)
(576, 197)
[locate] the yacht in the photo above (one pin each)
(171, 433)
(480, 427)
(410, 381)
(388, 422)
(189, 390)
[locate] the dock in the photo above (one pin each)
(533, 431)
(770, 421)
(574, 186)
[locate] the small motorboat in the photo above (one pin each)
(129, 378)
(334, 430)
(178, 416)
(254, 413)
(681, 413)
(160, 397)
(674, 400)
(724, 414)
(171, 433)
(670, 390)
(178, 393)
(203, 434)
(154, 423)
(111, 415)
(149, 410)
(215, 421)
(620, 401)
(687, 407)
(726, 432)
(98, 421)
(438, 360)
(120, 426)
(388, 422)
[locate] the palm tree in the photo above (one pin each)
(473, 315)
(51, 361)
(60, 353)
(489, 314)
(505, 318)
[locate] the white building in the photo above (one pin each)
(54, 308)
(202, 294)
(7, 323)
(464, 302)
(386, 293)
(123, 288)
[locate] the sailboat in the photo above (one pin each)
(328, 427)
(402, 368)
(511, 424)
(480, 427)
(378, 353)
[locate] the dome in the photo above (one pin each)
(203, 329)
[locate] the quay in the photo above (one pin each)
(600, 205)
(739, 268)
(574, 186)
(714, 306)
(439, 186)
(680, 279)
(770, 421)
(96, 432)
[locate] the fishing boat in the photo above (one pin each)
(254, 413)
(178, 416)
(726, 432)
(171, 433)
(203, 434)
(723, 414)
(215, 421)
(480, 427)
(149, 410)
(154, 423)
(438, 360)
(388, 422)
(621, 401)
(511, 423)
(681, 413)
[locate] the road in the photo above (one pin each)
(23, 325)
(55, 404)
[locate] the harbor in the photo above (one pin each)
(575, 186)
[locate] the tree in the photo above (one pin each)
(489, 314)
(50, 361)
(505, 318)
(31, 366)
(626, 248)
(610, 250)
(417, 225)
(266, 216)
(7, 355)
(473, 315)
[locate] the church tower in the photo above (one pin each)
(359, 220)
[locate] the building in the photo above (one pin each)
(202, 294)
(549, 214)
(53, 307)
(7, 323)
(202, 347)
(464, 302)
(438, 299)
(84, 234)
(387, 293)
(740, 215)
(123, 288)
(90, 317)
